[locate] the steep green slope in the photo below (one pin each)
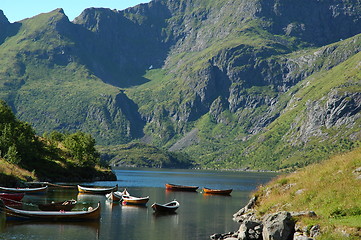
(232, 83)
(45, 79)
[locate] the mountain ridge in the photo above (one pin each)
(222, 73)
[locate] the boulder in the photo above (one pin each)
(250, 230)
(278, 226)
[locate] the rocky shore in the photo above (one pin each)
(276, 226)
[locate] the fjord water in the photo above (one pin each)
(198, 217)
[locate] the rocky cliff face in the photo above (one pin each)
(169, 65)
(313, 21)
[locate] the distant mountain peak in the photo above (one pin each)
(3, 19)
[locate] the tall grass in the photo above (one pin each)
(331, 188)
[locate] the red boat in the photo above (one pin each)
(217, 191)
(175, 187)
(11, 198)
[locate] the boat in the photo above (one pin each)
(135, 200)
(114, 196)
(97, 190)
(67, 205)
(168, 207)
(19, 214)
(25, 190)
(127, 199)
(217, 191)
(11, 198)
(175, 187)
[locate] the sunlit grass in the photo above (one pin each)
(331, 189)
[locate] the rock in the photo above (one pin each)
(357, 173)
(239, 216)
(301, 236)
(216, 236)
(278, 226)
(303, 213)
(224, 236)
(315, 231)
(250, 230)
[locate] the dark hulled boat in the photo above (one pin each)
(175, 187)
(168, 207)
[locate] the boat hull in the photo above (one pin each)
(25, 215)
(38, 190)
(168, 207)
(135, 200)
(114, 196)
(217, 191)
(90, 190)
(174, 187)
(11, 198)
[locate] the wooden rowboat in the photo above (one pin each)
(25, 190)
(168, 207)
(127, 199)
(175, 187)
(217, 191)
(114, 196)
(67, 205)
(97, 190)
(18, 214)
(11, 198)
(135, 200)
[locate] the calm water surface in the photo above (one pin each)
(198, 217)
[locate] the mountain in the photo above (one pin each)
(234, 84)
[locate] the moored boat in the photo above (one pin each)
(67, 205)
(175, 187)
(25, 190)
(18, 214)
(217, 191)
(127, 199)
(97, 190)
(167, 207)
(114, 196)
(11, 198)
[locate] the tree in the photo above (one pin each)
(17, 139)
(82, 147)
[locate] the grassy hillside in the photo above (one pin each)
(332, 189)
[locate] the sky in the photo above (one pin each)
(16, 10)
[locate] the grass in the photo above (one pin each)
(11, 173)
(329, 188)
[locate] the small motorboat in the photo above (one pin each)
(114, 196)
(18, 214)
(175, 187)
(67, 205)
(25, 190)
(217, 191)
(128, 199)
(97, 190)
(11, 198)
(168, 207)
